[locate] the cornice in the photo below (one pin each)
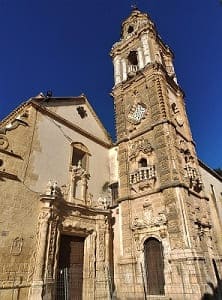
(143, 73)
(64, 206)
(147, 129)
(160, 190)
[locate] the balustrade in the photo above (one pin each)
(143, 174)
(133, 68)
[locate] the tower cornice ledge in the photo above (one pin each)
(149, 71)
(147, 129)
(161, 189)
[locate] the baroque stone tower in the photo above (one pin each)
(163, 243)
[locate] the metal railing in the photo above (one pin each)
(68, 284)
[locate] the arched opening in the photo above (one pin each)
(130, 29)
(142, 163)
(154, 266)
(132, 63)
(132, 58)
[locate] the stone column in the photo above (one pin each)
(117, 69)
(140, 58)
(124, 69)
(52, 248)
(146, 49)
(43, 228)
(84, 188)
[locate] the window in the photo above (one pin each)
(142, 163)
(114, 191)
(132, 58)
(79, 156)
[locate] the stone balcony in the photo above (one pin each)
(142, 174)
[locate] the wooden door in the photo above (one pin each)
(70, 268)
(154, 266)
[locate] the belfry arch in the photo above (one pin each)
(154, 266)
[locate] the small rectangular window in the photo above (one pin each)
(115, 192)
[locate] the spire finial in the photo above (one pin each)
(134, 6)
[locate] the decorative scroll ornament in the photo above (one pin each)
(19, 120)
(142, 145)
(149, 219)
(3, 142)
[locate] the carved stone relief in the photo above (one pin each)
(3, 142)
(52, 188)
(149, 219)
(19, 120)
(177, 116)
(101, 245)
(52, 246)
(142, 145)
(203, 236)
(190, 167)
(79, 187)
(17, 245)
(137, 111)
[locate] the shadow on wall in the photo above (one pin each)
(216, 290)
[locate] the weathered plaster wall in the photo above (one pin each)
(69, 112)
(211, 183)
(52, 155)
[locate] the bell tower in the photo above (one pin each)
(162, 219)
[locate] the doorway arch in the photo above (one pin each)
(154, 266)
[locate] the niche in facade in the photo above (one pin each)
(79, 169)
(132, 63)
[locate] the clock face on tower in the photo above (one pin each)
(137, 113)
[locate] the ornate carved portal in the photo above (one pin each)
(71, 249)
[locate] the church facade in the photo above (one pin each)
(85, 218)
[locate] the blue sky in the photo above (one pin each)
(63, 46)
